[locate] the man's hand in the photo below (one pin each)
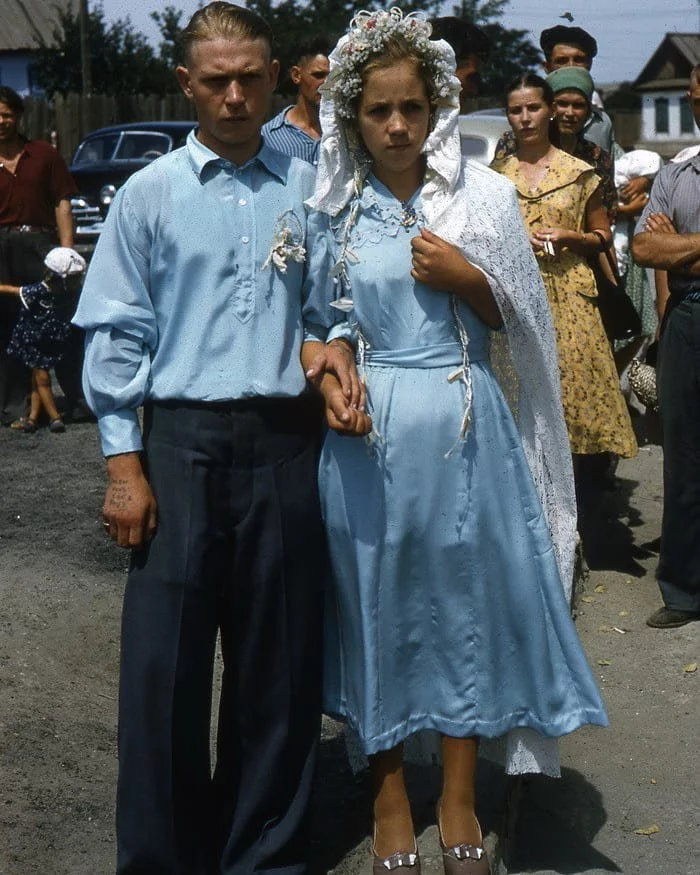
(658, 223)
(129, 509)
(338, 358)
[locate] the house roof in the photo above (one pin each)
(29, 24)
(671, 63)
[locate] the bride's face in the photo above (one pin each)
(393, 117)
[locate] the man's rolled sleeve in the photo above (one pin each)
(117, 314)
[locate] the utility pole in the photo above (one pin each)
(85, 50)
(86, 73)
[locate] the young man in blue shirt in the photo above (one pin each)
(188, 314)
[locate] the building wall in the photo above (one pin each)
(674, 134)
(14, 71)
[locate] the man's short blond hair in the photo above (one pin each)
(220, 19)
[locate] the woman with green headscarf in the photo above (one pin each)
(562, 205)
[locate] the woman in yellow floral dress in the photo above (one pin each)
(563, 211)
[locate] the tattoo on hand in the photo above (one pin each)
(119, 495)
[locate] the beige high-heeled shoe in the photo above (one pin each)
(463, 859)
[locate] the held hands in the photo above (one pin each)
(129, 510)
(338, 358)
(341, 416)
(438, 263)
(331, 369)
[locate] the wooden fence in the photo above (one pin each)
(64, 121)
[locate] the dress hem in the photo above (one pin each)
(480, 728)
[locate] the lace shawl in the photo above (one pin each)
(476, 210)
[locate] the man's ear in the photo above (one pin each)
(295, 74)
(547, 67)
(183, 78)
(274, 73)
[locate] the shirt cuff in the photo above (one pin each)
(314, 332)
(344, 331)
(120, 432)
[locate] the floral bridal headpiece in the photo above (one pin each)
(367, 37)
(343, 161)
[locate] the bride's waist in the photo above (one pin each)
(442, 355)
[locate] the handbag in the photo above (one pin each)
(642, 377)
(619, 316)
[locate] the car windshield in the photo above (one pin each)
(144, 145)
(122, 146)
(96, 149)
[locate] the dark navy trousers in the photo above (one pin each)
(240, 552)
(678, 377)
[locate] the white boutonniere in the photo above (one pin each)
(287, 242)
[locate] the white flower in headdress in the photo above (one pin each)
(287, 242)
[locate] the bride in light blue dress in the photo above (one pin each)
(450, 524)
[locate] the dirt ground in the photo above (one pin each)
(61, 583)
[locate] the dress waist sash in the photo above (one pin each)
(442, 355)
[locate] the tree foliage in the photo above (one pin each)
(292, 22)
(512, 53)
(122, 60)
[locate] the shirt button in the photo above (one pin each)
(242, 202)
(245, 239)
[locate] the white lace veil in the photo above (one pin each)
(476, 209)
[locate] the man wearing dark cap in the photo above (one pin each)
(574, 47)
(471, 47)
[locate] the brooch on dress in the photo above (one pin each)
(287, 242)
(408, 215)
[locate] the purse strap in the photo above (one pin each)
(605, 248)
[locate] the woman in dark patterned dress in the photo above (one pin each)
(43, 328)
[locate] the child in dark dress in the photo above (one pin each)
(43, 328)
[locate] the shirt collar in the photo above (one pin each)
(201, 156)
(280, 120)
(694, 162)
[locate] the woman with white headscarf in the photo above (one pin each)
(451, 526)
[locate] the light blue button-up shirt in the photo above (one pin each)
(177, 303)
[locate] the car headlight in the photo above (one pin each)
(107, 193)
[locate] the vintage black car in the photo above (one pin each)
(105, 159)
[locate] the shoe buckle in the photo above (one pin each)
(399, 859)
(467, 852)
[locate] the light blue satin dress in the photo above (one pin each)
(446, 610)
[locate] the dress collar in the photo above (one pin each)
(564, 169)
